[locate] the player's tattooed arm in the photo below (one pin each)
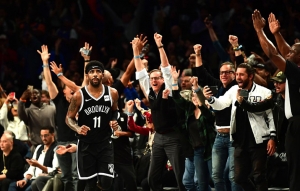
(72, 111)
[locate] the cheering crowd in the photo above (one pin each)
(170, 126)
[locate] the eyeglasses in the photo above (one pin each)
(155, 78)
(226, 72)
(46, 135)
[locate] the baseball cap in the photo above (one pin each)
(280, 77)
(260, 65)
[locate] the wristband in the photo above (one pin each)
(137, 57)
(174, 84)
(45, 66)
(130, 113)
(237, 48)
(25, 179)
(59, 74)
(198, 54)
(197, 90)
(86, 60)
(160, 46)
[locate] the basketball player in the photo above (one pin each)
(96, 105)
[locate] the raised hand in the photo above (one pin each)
(274, 24)
(56, 69)
(135, 43)
(233, 40)
(165, 93)
(142, 42)
(26, 94)
(114, 62)
(175, 73)
(158, 39)
(45, 55)
(138, 104)
(129, 106)
(197, 48)
(208, 22)
(194, 81)
(258, 21)
(87, 47)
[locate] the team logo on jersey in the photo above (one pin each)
(106, 98)
(111, 168)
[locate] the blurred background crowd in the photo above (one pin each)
(109, 25)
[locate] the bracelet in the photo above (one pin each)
(25, 179)
(197, 90)
(45, 66)
(160, 46)
(198, 54)
(130, 113)
(174, 84)
(59, 74)
(23, 100)
(137, 57)
(237, 48)
(86, 60)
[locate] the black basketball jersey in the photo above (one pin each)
(96, 114)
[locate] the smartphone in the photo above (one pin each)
(30, 87)
(85, 51)
(12, 95)
(68, 146)
(209, 19)
(244, 93)
(214, 89)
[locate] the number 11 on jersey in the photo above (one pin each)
(97, 122)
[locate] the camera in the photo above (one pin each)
(85, 51)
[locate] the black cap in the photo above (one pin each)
(280, 77)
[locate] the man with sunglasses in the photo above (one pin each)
(222, 152)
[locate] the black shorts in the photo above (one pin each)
(95, 159)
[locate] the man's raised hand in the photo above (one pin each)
(258, 21)
(56, 69)
(197, 48)
(45, 55)
(233, 40)
(158, 39)
(87, 47)
(274, 24)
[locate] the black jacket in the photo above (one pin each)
(14, 165)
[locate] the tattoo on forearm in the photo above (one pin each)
(72, 124)
(73, 104)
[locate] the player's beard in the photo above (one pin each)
(95, 84)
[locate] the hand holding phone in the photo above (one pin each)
(214, 89)
(244, 93)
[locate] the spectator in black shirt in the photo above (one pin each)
(287, 61)
(11, 164)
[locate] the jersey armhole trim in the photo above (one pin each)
(82, 100)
